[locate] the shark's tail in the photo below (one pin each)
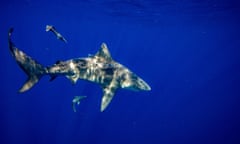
(32, 68)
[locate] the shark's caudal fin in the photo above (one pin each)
(33, 69)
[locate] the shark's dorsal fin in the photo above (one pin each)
(108, 93)
(104, 52)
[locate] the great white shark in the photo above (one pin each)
(99, 68)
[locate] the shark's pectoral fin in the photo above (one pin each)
(108, 93)
(106, 99)
(30, 82)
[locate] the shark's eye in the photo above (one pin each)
(81, 64)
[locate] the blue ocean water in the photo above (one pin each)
(186, 50)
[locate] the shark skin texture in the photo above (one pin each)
(99, 68)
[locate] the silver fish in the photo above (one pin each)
(76, 100)
(58, 35)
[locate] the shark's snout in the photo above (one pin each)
(142, 85)
(135, 83)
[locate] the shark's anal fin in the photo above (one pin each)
(73, 78)
(108, 93)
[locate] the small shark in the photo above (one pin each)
(77, 100)
(99, 68)
(58, 35)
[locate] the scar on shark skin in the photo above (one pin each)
(57, 34)
(77, 100)
(100, 68)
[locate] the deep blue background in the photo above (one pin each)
(188, 52)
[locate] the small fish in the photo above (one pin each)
(76, 100)
(53, 29)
